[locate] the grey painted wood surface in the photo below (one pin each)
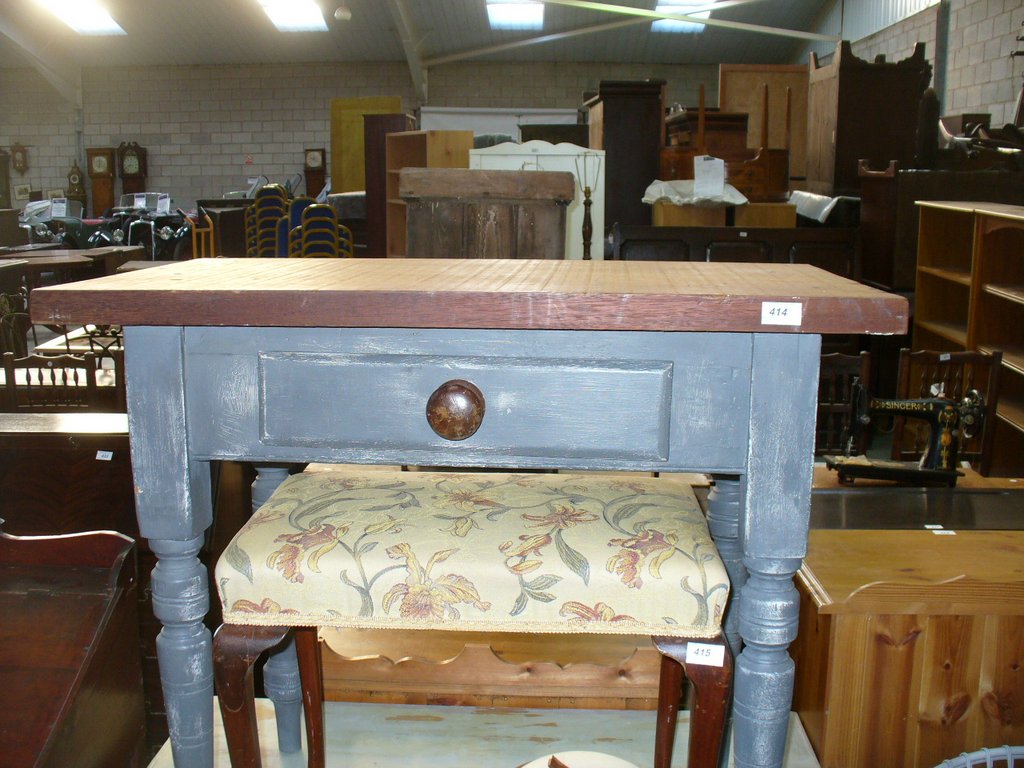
(645, 401)
(738, 405)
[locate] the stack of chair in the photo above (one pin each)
(290, 223)
(319, 235)
(269, 206)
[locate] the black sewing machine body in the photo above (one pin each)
(949, 422)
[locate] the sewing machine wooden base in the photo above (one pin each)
(851, 467)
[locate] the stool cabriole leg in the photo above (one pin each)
(712, 689)
(307, 646)
(235, 650)
(670, 694)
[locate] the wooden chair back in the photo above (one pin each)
(50, 383)
(928, 373)
(842, 392)
(15, 324)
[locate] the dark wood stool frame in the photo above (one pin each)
(237, 647)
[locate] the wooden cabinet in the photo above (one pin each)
(375, 128)
(586, 165)
(860, 110)
(970, 295)
(627, 121)
(417, 149)
(71, 677)
(455, 213)
(909, 645)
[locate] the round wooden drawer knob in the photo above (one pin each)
(455, 409)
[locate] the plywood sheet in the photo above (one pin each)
(740, 90)
(347, 158)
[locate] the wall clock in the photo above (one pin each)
(315, 169)
(19, 157)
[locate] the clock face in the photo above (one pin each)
(74, 178)
(19, 158)
(99, 163)
(130, 163)
(314, 158)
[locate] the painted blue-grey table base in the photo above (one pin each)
(739, 406)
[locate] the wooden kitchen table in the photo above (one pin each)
(701, 367)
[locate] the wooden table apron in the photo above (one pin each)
(740, 405)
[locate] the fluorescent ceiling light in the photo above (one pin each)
(515, 14)
(687, 7)
(86, 17)
(295, 15)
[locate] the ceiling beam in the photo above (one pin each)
(550, 38)
(711, 22)
(67, 80)
(407, 34)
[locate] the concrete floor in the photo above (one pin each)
(410, 736)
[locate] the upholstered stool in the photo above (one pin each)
(525, 553)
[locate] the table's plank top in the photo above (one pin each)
(471, 293)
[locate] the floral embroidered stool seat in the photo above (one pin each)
(526, 553)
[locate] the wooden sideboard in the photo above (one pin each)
(909, 649)
(485, 214)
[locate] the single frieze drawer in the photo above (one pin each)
(548, 400)
(379, 402)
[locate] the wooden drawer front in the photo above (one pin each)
(552, 399)
(546, 408)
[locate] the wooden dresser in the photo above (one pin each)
(909, 649)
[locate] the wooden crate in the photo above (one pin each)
(910, 645)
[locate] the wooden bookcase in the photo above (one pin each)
(417, 149)
(970, 295)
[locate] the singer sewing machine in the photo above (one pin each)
(949, 421)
